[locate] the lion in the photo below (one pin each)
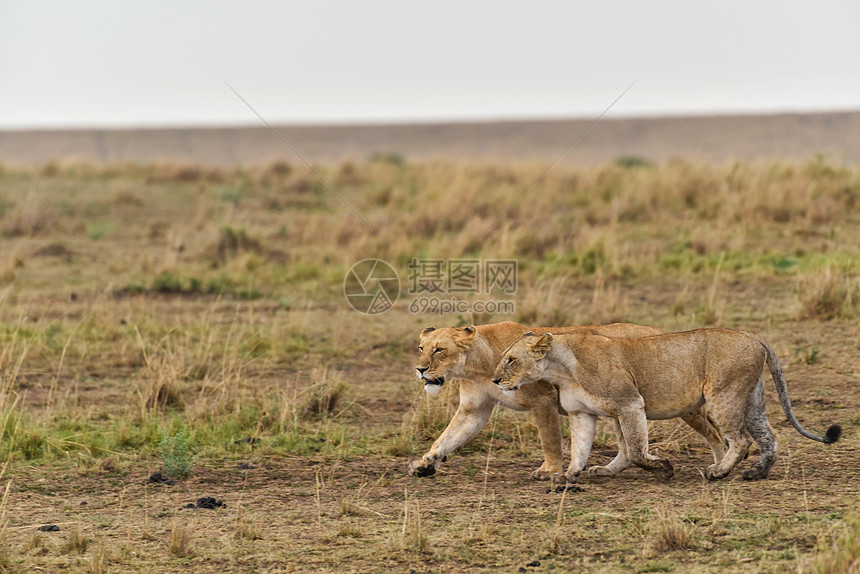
(660, 377)
(471, 353)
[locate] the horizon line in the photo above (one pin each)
(407, 122)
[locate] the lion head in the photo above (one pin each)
(442, 352)
(522, 363)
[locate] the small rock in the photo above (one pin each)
(522, 569)
(49, 528)
(246, 466)
(568, 487)
(158, 478)
(533, 564)
(209, 503)
(84, 503)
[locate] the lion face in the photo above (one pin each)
(523, 362)
(442, 352)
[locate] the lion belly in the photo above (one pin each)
(668, 408)
(575, 400)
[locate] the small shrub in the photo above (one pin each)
(167, 283)
(808, 355)
(234, 241)
(633, 161)
(175, 452)
(386, 157)
(100, 230)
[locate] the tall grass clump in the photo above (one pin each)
(843, 555)
(828, 294)
(669, 532)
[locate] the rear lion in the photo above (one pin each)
(660, 377)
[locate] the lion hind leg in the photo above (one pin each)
(759, 427)
(724, 402)
(704, 424)
(739, 444)
(732, 422)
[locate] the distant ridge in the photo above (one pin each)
(792, 136)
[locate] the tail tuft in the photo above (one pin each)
(832, 435)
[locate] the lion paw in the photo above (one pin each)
(422, 468)
(568, 477)
(546, 471)
(601, 471)
(541, 474)
(666, 470)
(754, 474)
(712, 474)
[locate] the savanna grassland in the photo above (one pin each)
(191, 321)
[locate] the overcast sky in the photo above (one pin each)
(151, 63)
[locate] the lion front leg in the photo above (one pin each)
(621, 460)
(583, 427)
(634, 426)
(467, 422)
(548, 421)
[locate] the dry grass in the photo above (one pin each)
(843, 555)
(669, 532)
(181, 539)
(76, 542)
(140, 300)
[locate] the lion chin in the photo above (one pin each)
(434, 386)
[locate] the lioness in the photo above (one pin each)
(660, 377)
(471, 354)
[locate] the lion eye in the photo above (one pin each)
(437, 351)
(420, 349)
(510, 360)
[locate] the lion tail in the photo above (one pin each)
(833, 433)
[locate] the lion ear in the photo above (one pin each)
(468, 335)
(427, 330)
(540, 348)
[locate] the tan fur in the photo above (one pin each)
(471, 353)
(658, 377)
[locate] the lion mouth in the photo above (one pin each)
(437, 382)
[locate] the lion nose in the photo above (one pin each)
(421, 370)
(497, 381)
